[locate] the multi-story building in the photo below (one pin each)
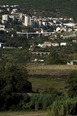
(5, 18)
(27, 20)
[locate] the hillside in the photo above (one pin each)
(47, 7)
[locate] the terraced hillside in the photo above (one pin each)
(50, 7)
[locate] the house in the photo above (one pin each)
(42, 45)
(2, 44)
(73, 62)
(5, 18)
(69, 24)
(63, 44)
(55, 44)
(58, 29)
(47, 43)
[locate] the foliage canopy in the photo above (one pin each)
(72, 84)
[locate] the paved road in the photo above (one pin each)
(68, 36)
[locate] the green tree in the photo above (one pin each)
(15, 78)
(53, 58)
(13, 82)
(72, 84)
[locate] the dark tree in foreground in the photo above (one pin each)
(14, 79)
(72, 84)
(13, 82)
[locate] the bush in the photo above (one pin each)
(72, 84)
(13, 83)
(63, 107)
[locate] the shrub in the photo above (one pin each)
(63, 108)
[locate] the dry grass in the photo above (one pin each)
(54, 70)
(23, 114)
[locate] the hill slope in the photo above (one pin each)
(55, 7)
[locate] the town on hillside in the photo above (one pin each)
(56, 31)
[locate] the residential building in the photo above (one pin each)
(27, 20)
(5, 18)
(1, 44)
(63, 44)
(55, 44)
(47, 43)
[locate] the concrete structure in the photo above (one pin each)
(41, 53)
(27, 20)
(5, 18)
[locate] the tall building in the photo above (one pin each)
(27, 20)
(5, 18)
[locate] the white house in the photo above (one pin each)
(69, 24)
(58, 29)
(63, 44)
(47, 43)
(55, 44)
(73, 62)
(2, 44)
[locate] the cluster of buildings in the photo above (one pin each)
(49, 44)
(14, 13)
(10, 13)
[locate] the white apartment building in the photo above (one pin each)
(27, 20)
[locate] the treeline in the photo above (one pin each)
(14, 41)
(13, 82)
(24, 102)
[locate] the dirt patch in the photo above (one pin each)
(23, 114)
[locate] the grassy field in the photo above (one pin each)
(42, 83)
(49, 76)
(23, 114)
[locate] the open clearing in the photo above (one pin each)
(23, 114)
(54, 70)
(41, 84)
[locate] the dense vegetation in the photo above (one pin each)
(13, 82)
(14, 86)
(47, 7)
(68, 106)
(64, 107)
(17, 51)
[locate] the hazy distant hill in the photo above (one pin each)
(47, 7)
